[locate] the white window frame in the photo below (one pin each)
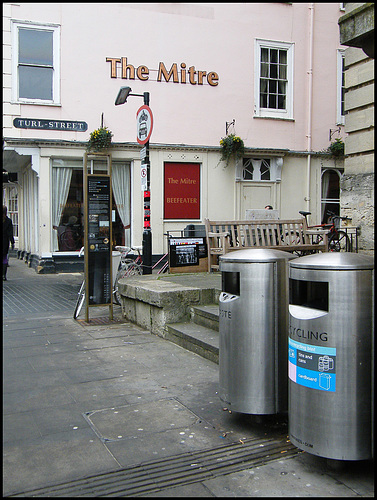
(259, 112)
(340, 119)
(275, 166)
(55, 28)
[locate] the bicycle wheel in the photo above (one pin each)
(80, 301)
(339, 242)
(127, 270)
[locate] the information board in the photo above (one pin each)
(99, 239)
(186, 251)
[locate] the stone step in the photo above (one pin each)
(207, 315)
(195, 338)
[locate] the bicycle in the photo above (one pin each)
(81, 293)
(338, 240)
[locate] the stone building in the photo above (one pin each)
(357, 184)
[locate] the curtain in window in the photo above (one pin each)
(325, 192)
(61, 181)
(121, 192)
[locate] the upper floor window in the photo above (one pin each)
(341, 90)
(273, 79)
(35, 68)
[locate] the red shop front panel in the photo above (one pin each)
(181, 190)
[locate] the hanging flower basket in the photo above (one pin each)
(231, 146)
(335, 150)
(100, 139)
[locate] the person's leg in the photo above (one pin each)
(5, 267)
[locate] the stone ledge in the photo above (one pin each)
(151, 302)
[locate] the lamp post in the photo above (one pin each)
(124, 92)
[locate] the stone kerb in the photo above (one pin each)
(151, 303)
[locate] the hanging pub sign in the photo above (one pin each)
(62, 125)
(99, 239)
(181, 190)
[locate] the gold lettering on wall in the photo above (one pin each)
(173, 74)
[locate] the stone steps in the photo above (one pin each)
(200, 334)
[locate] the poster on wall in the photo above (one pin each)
(181, 190)
(99, 243)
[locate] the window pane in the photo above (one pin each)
(35, 47)
(272, 87)
(272, 101)
(282, 72)
(264, 70)
(282, 87)
(265, 171)
(282, 56)
(263, 86)
(273, 71)
(35, 83)
(263, 100)
(264, 55)
(274, 55)
(281, 101)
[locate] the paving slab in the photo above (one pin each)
(63, 383)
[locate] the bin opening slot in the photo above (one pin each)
(313, 294)
(231, 282)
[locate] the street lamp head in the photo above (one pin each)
(122, 95)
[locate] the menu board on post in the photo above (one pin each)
(99, 239)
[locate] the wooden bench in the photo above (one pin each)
(288, 235)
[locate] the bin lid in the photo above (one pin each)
(256, 255)
(334, 261)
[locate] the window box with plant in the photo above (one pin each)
(100, 139)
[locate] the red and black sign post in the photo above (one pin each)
(144, 119)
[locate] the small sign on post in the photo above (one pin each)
(144, 121)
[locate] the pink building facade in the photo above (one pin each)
(271, 73)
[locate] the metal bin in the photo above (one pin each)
(253, 327)
(330, 355)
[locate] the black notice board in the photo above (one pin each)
(99, 239)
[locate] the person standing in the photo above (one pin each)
(7, 240)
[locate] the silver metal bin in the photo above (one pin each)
(253, 328)
(330, 355)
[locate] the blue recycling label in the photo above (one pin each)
(312, 366)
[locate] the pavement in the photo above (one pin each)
(106, 408)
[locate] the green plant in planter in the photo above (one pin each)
(336, 149)
(100, 139)
(231, 145)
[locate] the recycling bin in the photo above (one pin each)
(330, 355)
(253, 330)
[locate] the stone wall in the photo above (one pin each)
(357, 184)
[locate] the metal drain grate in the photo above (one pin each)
(99, 321)
(178, 470)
